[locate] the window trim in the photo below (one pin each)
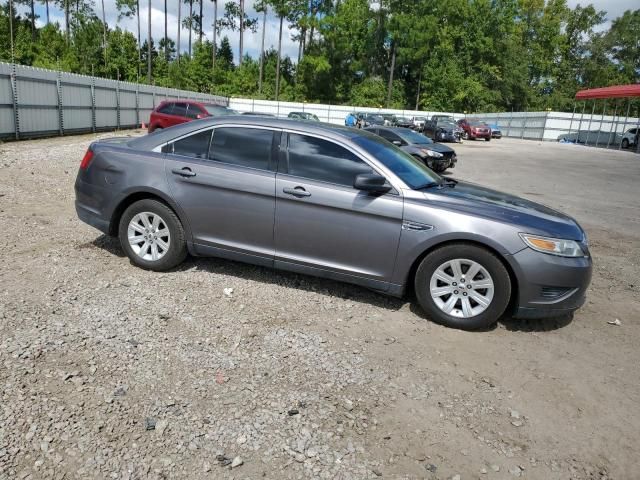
(275, 147)
(285, 162)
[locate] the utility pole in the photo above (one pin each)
(393, 66)
(215, 34)
(149, 47)
(264, 28)
(241, 30)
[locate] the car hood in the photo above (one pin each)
(530, 216)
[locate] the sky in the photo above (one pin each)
(614, 8)
(251, 40)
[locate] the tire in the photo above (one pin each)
(476, 315)
(465, 136)
(440, 170)
(488, 139)
(132, 223)
(625, 143)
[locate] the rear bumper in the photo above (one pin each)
(549, 285)
(92, 218)
(496, 134)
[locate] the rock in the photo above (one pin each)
(515, 471)
(293, 411)
(228, 292)
(431, 467)
(241, 440)
(312, 452)
(348, 404)
(161, 426)
(120, 391)
(376, 472)
(456, 477)
(517, 423)
(149, 423)
(206, 467)
(615, 322)
(483, 471)
(515, 414)
(494, 467)
(236, 462)
(223, 460)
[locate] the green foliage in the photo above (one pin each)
(454, 55)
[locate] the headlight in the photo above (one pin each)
(554, 246)
(431, 153)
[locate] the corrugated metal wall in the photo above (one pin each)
(35, 102)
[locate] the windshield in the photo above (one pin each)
(420, 119)
(218, 110)
(309, 116)
(412, 137)
(412, 172)
(376, 118)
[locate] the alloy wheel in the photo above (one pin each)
(461, 288)
(149, 236)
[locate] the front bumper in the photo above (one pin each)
(496, 134)
(549, 285)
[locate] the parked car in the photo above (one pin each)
(474, 129)
(496, 132)
(174, 112)
(404, 122)
(630, 138)
(389, 119)
(304, 116)
(367, 119)
(442, 128)
(334, 202)
(418, 123)
(436, 156)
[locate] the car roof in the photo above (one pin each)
(160, 137)
(192, 102)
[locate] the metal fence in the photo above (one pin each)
(36, 102)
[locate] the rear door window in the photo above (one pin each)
(389, 136)
(196, 145)
(193, 111)
(166, 108)
(322, 160)
(244, 147)
(180, 109)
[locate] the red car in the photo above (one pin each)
(474, 129)
(173, 112)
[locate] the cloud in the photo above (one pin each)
(252, 40)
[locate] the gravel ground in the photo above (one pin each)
(109, 371)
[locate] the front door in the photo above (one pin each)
(224, 181)
(323, 225)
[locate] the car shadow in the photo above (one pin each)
(108, 243)
(332, 288)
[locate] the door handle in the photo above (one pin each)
(183, 172)
(296, 192)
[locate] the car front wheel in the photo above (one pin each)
(152, 236)
(625, 143)
(463, 286)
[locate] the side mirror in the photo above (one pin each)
(372, 183)
(397, 142)
(201, 115)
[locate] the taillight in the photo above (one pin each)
(86, 160)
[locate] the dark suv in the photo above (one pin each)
(174, 112)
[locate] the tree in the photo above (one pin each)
(235, 18)
(129, 8)
(149, 40)
(262, 7)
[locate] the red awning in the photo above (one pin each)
(617, 91)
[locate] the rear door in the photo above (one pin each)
(224, 181)
(323, 224)
(178, 114)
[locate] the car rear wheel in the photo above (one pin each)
(625, 143)
(488, 139)
(152, 236)
(463, 286)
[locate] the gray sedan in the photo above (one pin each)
(333, 202)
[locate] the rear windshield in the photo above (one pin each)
(218, 110)
(412, 137)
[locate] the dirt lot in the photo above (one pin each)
(108, 371)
